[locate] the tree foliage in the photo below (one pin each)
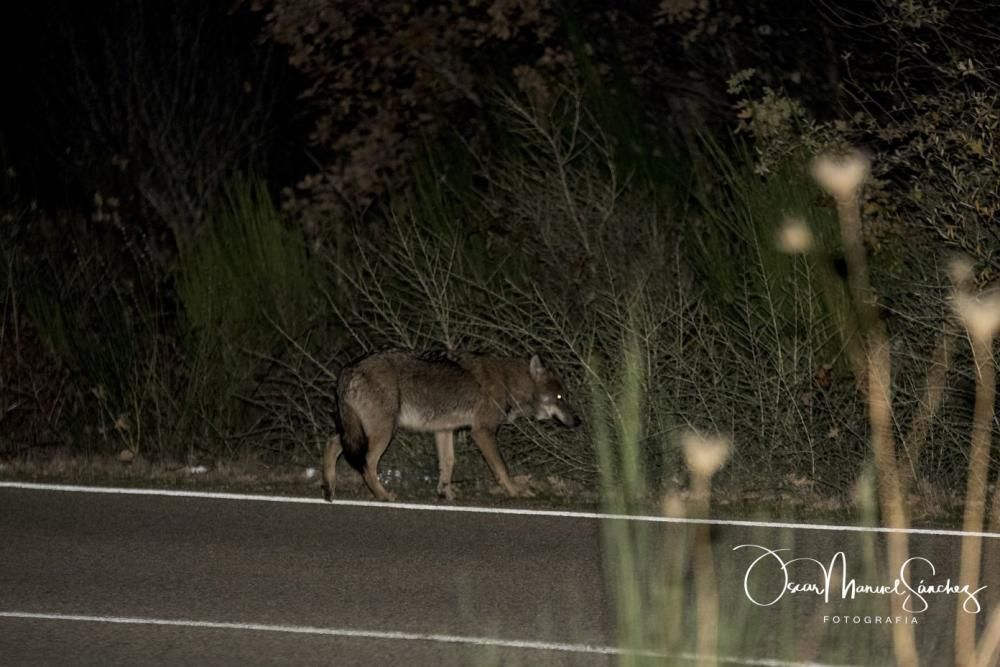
(385, 76)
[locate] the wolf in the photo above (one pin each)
(439, 393)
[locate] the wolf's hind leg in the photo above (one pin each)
(445, 441)
(331, 453)
(378, 442)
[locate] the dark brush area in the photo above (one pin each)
(206, 209)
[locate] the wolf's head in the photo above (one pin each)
(550, 396)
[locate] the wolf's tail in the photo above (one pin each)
(353, 437)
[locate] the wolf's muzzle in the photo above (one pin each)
(569, 420)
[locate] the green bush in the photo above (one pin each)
(246, 286)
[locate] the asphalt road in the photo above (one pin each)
(145, 579)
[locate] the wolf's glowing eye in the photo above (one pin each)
(558, 397)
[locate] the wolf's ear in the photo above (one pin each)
(536, 368)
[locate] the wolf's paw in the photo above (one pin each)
(388, 497)
(520, 491)
(520, 487)
(446, 491)
(327, 494)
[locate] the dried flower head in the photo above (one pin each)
(980, 314)
(703, 455)
(842, 175)
(795, 237)
(961, 271)
(674, 505)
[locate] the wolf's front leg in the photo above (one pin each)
(486, 440)
(445, 441)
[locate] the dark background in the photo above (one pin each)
(209, 207)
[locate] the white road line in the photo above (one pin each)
(566, 514)
(405, 636)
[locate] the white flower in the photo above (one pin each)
(795, 237)
(960, 270)
(674, 506)
(981, 314)
(704, 455)
(841, 176)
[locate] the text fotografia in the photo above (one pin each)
(810, 576)
(870, 620)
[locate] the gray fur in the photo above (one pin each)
(437, 393)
